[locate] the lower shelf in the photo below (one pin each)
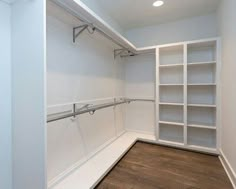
(172, 133)
(201, 137)
(90, 173)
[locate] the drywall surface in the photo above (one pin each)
(183, 30)
(94, 6)
(227, 19)
(84, 72)
(28, 95)
(5, 97)
(140, 83)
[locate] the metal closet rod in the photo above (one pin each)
(92, 109)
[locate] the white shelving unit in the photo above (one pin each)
(187, 76)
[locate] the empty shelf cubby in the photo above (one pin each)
(205, 95)
(171, 94)
(171, 113)
(202, 137)
(202, 74)
(171, 55)
(202, 52)
(202, 116)
(171, 75)
(172, 133)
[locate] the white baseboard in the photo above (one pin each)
(228, 168)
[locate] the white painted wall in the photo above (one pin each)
(140, 83)
(84, 72)
(183, 30)
(5, 97)
(28, 95)
(227, 20)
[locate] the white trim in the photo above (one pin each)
(228, 168)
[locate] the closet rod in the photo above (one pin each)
(88, 109)
(92, 109)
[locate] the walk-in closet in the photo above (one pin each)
(117, 94)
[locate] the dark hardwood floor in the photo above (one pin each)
(148, 166)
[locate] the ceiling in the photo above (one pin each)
(139, 13)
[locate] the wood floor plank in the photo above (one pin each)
(148, 166)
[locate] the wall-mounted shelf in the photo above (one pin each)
(202, 63)
(78, 9)
(171, 65)
(171, 104)
(202, 84)
(174, 84)
(171, 123)
(201, 126)
(202, 105)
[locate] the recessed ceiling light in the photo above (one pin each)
(158, 3)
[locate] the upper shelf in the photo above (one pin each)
(80, 10)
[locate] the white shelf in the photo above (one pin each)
(202, 84)
(187, 102)
(202, 105)
(171, 123)
(171, 84)
(171, 143)
(202, 126)
(171, 104)
(79, 9)
(202, 63)
(170, 65)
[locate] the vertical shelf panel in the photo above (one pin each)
(185, 92)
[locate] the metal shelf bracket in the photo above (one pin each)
(80, 30)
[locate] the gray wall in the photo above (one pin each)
(183, 30)
(5, 96)
(227, 26)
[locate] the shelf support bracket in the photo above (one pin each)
(81, 30)
(118, 52)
